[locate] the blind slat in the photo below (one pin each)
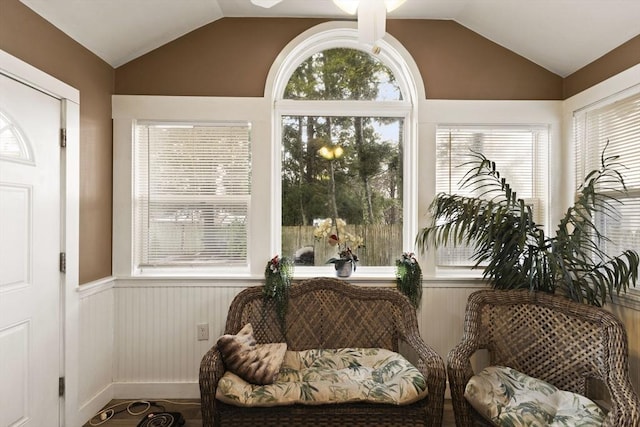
(615, 126)
(192, 194)
(519, 154)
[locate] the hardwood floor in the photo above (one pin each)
(189, 409)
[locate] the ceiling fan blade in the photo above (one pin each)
(265, 3)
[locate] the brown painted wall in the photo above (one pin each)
(229, 57)
(232, 57)
(457, 63)
(621, 58)
(25, 35)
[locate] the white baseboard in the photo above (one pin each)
(184, 390)
(92, 406)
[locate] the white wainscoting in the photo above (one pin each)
(138, 338)
(156, 351)
(96, 346)
(157, 355)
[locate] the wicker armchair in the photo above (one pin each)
(329, 313)
(550, 338)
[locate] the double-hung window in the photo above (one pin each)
(347, 153)
(192, 193)
(520, 154)
(613, 127)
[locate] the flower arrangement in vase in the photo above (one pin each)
(335, 233)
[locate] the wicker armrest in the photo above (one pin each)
(459, 372)
(431, 365)
(624, 412)
(624, 401)
(211, 370)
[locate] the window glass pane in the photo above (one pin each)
(615, 126)
(192, 194)
(623, 231)
(342, 74)
(520, 157)
(13, 145)
(347, 170)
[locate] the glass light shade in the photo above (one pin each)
(265, 3)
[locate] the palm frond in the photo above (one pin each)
(512, 248)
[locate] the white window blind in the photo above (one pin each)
(192, 189)
(520, 154)
(618, 125)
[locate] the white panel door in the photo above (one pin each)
(29, 247)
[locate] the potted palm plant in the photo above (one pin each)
(513, 249)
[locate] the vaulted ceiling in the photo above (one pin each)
(559, 35)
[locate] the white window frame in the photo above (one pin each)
(127, 109)
(583, 152)
(615, 88)
(540, 185)
(345, 35)
(142, 231)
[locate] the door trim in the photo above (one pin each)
(69, 205)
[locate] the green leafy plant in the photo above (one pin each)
(409, 278)
(277, 282)
(514, 250)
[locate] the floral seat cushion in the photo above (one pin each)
(506, 397)
(315, 377)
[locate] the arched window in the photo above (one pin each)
(13, 144)
(345, 144)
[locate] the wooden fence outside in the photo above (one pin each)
(382, 244)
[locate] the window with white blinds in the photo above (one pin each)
(615, 125)
(520, 154)
(192, 193)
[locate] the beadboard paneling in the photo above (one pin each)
(96, 332)
(155, 330)
(156, 352)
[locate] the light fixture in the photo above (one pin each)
(372, 17)
(265, 3)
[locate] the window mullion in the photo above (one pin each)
(343, 108)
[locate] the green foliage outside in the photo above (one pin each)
(367, 177)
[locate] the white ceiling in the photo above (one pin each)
(560, 35)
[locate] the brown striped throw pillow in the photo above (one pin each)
(255, 363)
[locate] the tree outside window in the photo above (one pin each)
(343, 167)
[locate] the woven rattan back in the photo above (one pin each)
(326, 313)
(548, 337)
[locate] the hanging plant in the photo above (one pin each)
(277, 281)
(409, 278)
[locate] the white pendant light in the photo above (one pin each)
(372, 17)
(265, 3)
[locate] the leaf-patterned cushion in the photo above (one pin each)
(316, 377)
(506, 397)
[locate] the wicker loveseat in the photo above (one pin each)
(326, 313)
(575, 347)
